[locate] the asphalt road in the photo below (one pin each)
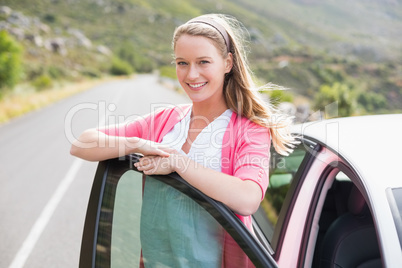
(43, 189)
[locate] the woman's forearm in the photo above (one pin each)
(241, 196)
(94, 145)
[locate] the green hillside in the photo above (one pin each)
(304, 45)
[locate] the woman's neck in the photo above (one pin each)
(208, 112)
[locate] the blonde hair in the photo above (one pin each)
(239, 89)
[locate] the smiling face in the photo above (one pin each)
(201, 69)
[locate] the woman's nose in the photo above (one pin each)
(193, 72)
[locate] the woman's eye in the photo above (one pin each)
(181, 63)
(204, 62)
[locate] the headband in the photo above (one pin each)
(217, 27)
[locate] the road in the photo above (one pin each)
(43, 189)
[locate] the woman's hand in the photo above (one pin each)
(160, 165)
(150, 148)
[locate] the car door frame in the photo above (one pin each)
(115, 168)
(335, 162)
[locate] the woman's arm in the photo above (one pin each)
(94, 145)
(241, 196)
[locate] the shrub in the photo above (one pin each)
(145, 65)
(50, 18)
(337, 93)
(131, 54)
(56, 72)
(10, 61)
(278, 96)
(168, 71)
(325, 74)
(120, 67)
(372, 101)
(91, 72)
(42, 82)
(32, 71)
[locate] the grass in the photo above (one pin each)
(24, 99)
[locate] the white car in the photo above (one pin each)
(336, 201)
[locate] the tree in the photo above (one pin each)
(372, 101)
(337, 93)
(278, 95)
(131, 54)
(10, 61)
(120, 67)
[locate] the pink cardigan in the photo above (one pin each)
(245, 145)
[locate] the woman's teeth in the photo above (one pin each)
(197, 85)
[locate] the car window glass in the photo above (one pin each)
(282, 173)
(193, 242)
(126, 246)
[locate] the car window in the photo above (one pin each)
(346, 235)
(135, 239)
(394, 196)
(126, 246)
(120, 238)
(283, 170)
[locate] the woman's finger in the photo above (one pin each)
(149, 168)
(143, 166)
(162, 152)
(146, 160)
(154, 165)
(146, 163)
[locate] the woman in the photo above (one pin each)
(219, 144)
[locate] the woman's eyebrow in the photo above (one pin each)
(204, 57)
(198, 58)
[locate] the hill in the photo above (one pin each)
(301, 44)
(367, 29)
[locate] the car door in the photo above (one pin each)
(111, 236)
(307, 199)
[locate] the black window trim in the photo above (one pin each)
(257, 253)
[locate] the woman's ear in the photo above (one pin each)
(229, 63)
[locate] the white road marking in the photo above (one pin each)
(40, 224)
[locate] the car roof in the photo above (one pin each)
(370, 144)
